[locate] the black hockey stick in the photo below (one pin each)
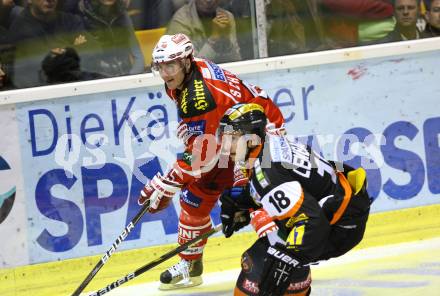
(113, 248)
(155, 262)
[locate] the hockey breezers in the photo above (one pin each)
(112, 249)
(155, 262)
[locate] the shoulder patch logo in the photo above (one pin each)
(187, 158)
(195, 99)
(206, 73)
(293, 220)
(280, 150)
(196, 128)
(246, 263)
(187, 197)
(216, 72)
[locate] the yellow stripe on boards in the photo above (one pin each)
(63, 277)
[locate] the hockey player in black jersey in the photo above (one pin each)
(303, 207)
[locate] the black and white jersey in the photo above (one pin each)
(305, 196)
(284, 170)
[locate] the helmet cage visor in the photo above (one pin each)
(170, 68)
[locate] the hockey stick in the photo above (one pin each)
(113, 248)
(156, 262)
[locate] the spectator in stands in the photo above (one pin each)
(427, 3)
(21, 3)
(151, 14)
(4, 36)
(8, 12)
(63, 65)
(69, 6)
(6, 60)
(432, 29)
(40, 28)
(243, 15)
(406, 13)
(3, 78)
(211, 28)
(110, 25)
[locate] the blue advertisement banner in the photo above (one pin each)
(86, 158)
(382, 114)
(13, 228)
(85, 161)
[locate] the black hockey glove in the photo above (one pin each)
(278, 269)
(235, 205)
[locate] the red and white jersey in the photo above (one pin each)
(202, 102)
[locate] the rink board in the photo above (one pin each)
(61, 278)
(75, 159)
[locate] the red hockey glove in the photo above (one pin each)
(159, 192)
(262, 223)
(183, 133)
(240, 176)
(271, 129)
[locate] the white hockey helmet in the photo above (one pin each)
(172, 47)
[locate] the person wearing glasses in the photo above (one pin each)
(202, 92)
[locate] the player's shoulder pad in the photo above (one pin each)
(280, 150)
(284, 200)
(255, 90)
(212, 71)
(195, 98)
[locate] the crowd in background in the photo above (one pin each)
(53, 41)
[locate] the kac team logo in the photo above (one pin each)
(6, 198)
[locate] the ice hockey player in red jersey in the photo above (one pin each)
(303, 207)
(202, 92)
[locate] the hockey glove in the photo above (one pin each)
(235, 204)
(241, 178)
(183, 133)
(262, 223)
(159, 192)
(271, 129)
(278, 271)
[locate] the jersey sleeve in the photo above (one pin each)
(259, 96)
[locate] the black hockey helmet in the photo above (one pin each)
(244, 119)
